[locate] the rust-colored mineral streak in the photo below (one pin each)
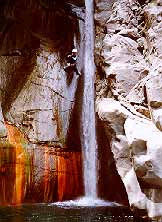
(41, 174)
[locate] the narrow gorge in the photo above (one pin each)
(96, 135)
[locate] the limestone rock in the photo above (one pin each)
(137, 93)
(103, 11)
(139, 147)
(146, 163)
(121, 152)
(3, 130)
(154, 89)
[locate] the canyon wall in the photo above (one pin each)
(39, 159)
(128, 95)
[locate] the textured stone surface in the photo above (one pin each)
(3, 130)
(42, 108)
(37, 97)
(137, 153)
(154, 90)
(123, 60)
(128, 89)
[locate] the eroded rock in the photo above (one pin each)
(137, 153)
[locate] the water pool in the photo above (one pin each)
(54, 213)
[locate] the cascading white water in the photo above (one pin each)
(88, 114)
(89, 144)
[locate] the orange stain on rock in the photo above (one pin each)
(18, 141)
(41, 174)
(46, 174)
(69, 175)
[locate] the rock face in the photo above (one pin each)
(128, 95)
(37, 101)
(43, 106)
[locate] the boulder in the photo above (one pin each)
(112, 111)
(154, 90)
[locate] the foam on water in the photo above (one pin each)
(85, 202)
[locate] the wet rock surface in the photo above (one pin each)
(37, 174)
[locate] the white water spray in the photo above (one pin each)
(88, 114)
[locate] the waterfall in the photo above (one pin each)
(88, 114)
(88, 125)
(89, 144)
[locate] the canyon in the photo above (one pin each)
(41, 148)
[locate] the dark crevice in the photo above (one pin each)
(4, 28)
(18, 80)
(55, 28)
(110, 185)
(73, 139)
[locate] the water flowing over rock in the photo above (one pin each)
(88, 116)
(56, 178)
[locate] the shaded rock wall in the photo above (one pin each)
(27, 44)
(110, 185)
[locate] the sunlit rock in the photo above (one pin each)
(154, 89)
(128, 51)
(122, 58)
(146, 163)
(137, 94)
